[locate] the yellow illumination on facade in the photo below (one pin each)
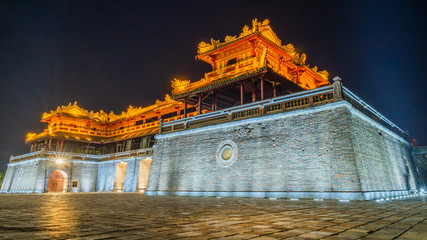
(74, 122)
(255, 48)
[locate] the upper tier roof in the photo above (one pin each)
(267, 52)
(73, 110)
(257, 27)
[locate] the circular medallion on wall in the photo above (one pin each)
(226, 153)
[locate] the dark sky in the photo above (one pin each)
(112, 54)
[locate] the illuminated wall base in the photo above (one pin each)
(329, 151)
(290, 195)
(32, 176)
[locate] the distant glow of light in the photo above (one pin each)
(59, 161)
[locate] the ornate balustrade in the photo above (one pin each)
(241, 66)
(245, 65)
(53, 155)
(269, 106)
(70, 128)
(366, 109)
(289, 102)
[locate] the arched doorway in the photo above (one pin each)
(58, 181)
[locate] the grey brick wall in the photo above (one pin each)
(23, 178)
(420, 157)
(315, 150)
(327, 151)
(106, 174)
(383, 160)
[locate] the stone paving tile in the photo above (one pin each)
(417, 232)
(134, 216)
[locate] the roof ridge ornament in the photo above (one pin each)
(262, 28)
(179, 85)
(257, 26)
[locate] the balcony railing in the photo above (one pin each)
(241, 66)
(298, 100)
(366, 109)
(70, 128)
(278, 104)
(245, 65)
(52, 155)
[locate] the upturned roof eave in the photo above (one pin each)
(219, 83)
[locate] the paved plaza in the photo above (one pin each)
(135, 216)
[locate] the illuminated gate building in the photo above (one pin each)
(262, 123)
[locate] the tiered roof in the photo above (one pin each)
(269, 53)
(74, 122)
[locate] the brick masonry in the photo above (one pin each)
(32, 176)
(420, 157)
(328, 151)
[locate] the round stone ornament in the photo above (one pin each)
(226, 153)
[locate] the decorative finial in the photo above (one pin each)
(336, 78)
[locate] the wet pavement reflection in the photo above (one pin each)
(135, 216)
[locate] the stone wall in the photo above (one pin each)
(420, 157)
(32, 175)
(107, 174)
(384, 160)
(131, 177)
(326, 151)
(24, 177)
(313, 152)
(85, 173)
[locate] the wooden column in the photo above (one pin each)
(200, 104)
(185, 107)
(241, 93)
(214, 101)
(62, 145)
(160, 126)
(253, 91)
(50, 143)
(262, 88)
(274, 89)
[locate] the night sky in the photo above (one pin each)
(112, 54)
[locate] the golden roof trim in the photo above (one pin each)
(103, 117)
(261, 27)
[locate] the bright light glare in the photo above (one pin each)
(59, 161)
